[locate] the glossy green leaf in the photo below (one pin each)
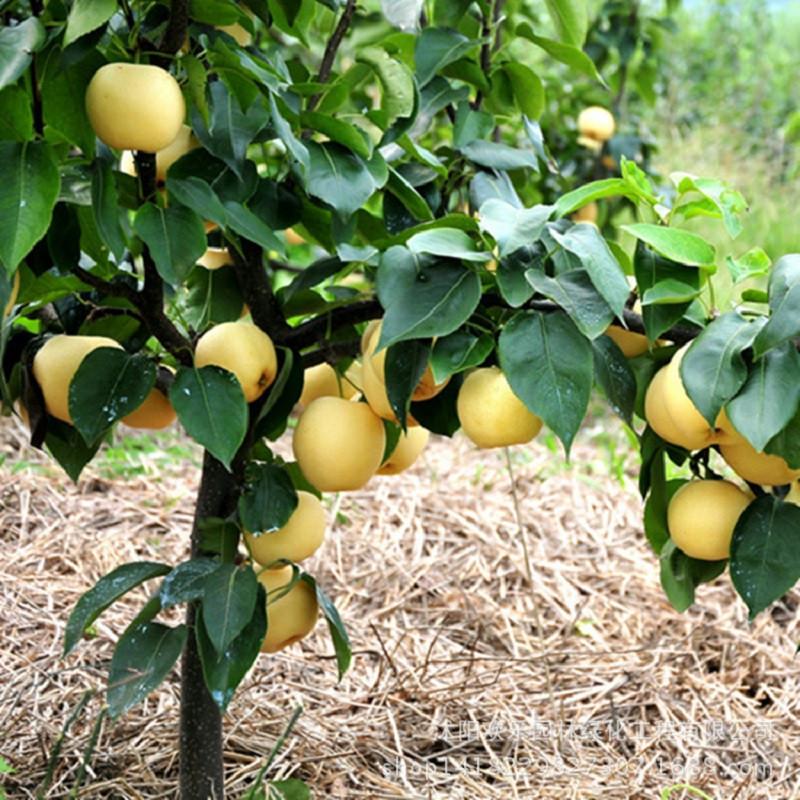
(105, 207)
(435, 48)
(713, 369)
(87, 15)
(242, 220)
(571, 20)
(16, 116)
(588, 245)
(511, 274)
(106, 591)
(681, 575)
(29, 186)
(175, 237)
(513, 227)
(678, 245)
(143, 657)
(408, 196)
(229, 598)
(458, 352)
(397, 83)
(527, 87)
(614, 376)
(752, 264)
(496, 155)
(186, 581)
(765, 560)
(729, 203)
(67, 446)
(784, 301)
(423, 297)
(565, 53)
(549, 365)
(338, 632)
(339, 131)
(770, 396)
(211, 407)
(199, 196)
(18, 43)
(268, 499)
(448, 243)
(591, 192)
(403, 370)
(108, 385)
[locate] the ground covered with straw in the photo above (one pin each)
(468, 680)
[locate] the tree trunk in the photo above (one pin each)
(201, 766)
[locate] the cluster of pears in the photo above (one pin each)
(339, 442)
(703, 513)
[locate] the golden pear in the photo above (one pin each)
(135, 106)
(155, 413)
(291, 616)
(587, 213)
(243, 349)
(55, 365)
(761, 468)
(338, 444)
(408, 449)
(215, 258)
(179, 147)
(323, 380)
(491, 415)
(597, 123)
(632, 344)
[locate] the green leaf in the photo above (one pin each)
(106, 591)
(786, 443)
(68, 448)
(680, 575)
(651, 270)
(175, 237)
(439, 415)
(223, 672)
(242, 220)
(291, 788)
(213, 296)
(574, 291)
(397, 83)
(229, 597)
(550, 367)
(587, 243)
(16, 117)
(670, 292)
(784, 302)
(211, 407)
(186, 582)
(571, 20)
(408, 196)
(713, 370)
(268, 499)
(105, 207)
(513, 227)
(678, 245)
(496, 155)
(341, 641)
(199, 196)
(458, 352)
(108, 385)
(423, 297)
(565, 53)
(404, 367)
(656, 528)
(726, 201)
(752, 264)
(511, 274)
(446, 242)
(615, 377)
(339, 131)
(339, 177)
(29, 186)
(436, 48)
(769, 398)
(590, 192)
(18, 43)
(294, 145)
(527, 87)
(765, 559)
(87, 15)
(143, 657)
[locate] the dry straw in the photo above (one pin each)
(447, 696)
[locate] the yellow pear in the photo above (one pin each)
(155, 413)
(12, 298)
(632, 344)
(701, 517)
(215, 258)
(323, 380)
(338, 444)
(366, 336)
(299, 538)
(243, 349)
(587, 213)
(793, 495)
(290, 616)
(406, 452)
(55, 365)
(135, 106)
(180, 146)
(761, 468)
(596, 122)
(293, 238)
(240, 34)
(491, 415)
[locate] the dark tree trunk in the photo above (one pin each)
(201, 766)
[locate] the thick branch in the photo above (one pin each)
(332, 353)
(256, 289)
(332, 47)
(316, 330)
(175, 34)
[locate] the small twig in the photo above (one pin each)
(316, 330)
(332, 353)
(331, 49)
(487, 20)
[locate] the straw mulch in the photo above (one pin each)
(454, 692)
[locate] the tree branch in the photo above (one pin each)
(316, 330)
(256, 289)
(332, 353)
(332, 47)
(175, 34)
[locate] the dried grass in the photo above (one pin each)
(448, 694)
